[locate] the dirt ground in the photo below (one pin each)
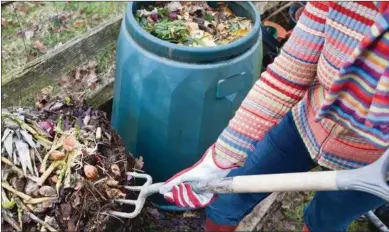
(288, 215)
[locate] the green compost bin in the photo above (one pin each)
(171, 102)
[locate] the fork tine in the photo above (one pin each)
(148, 178)
(124, 215)
(134, 188)
(126, 201)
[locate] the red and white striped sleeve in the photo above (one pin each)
(279, 88)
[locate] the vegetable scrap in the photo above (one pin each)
(193, 24)
(62, 166)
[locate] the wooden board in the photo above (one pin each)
(20, 86)
(261, 211)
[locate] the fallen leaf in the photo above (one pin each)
(115, 193)
(115, 170)
(77, 75)
(29, 34)
(39, 45)
(28, 138)
(75, 200)
(51, 221)
(18, 183)
(7, 132)
(15, 158)
(79, 23)
(3, 22)
(7, 142)
(92, 64)
(56, 106)
(241, 32)
(139, 163)
(78, 186)
(95, 16)
(112, 183)
(24, 155)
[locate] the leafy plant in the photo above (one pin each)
(173, 31)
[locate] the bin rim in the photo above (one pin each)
(187, 53)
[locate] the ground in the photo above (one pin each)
(31, 29)
(288, 216)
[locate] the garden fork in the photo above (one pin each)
(371, 178)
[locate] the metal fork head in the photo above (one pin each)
(140, 201)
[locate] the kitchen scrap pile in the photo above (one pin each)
(193, 24)
(62, 166)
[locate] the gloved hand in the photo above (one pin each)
(177, 192)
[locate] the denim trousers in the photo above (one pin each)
(283, 151)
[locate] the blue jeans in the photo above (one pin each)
(283, 151)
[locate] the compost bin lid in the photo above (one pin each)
(194, 54)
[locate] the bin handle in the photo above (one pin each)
(230, 85)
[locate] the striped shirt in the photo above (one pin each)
(302, 79)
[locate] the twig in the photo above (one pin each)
(107, 214)
(122, 160)
(39, 200)
(24, 196)
(51, 168)
(11, 221)
(56, 144)
(278, 11)
(105, 171)
(38, 220)
(101, 195)
(18, 170)
(101, 180)
(13, 166)
(60, 179)
(71, 157)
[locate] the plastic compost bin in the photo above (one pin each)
(172, 101)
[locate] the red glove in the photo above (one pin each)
(177, 192)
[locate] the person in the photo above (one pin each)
(323, 101)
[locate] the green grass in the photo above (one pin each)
(53, 24)
(295, 213)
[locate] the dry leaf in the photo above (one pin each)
(115, 193)
(7, 142)
(29, 34)
(28, 138)
(39, 45)
(115, 169)
(241, 32)
(3, 22)
(139, 163)
(24, 155)
(79, 23)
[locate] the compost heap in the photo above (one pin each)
(193, 23)
(62, 166)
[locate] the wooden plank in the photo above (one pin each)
(251, 221)
(4, 3)
(20, 86)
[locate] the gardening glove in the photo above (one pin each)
(177, 192)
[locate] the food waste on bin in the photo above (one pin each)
(193, 24)
(61, 168)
